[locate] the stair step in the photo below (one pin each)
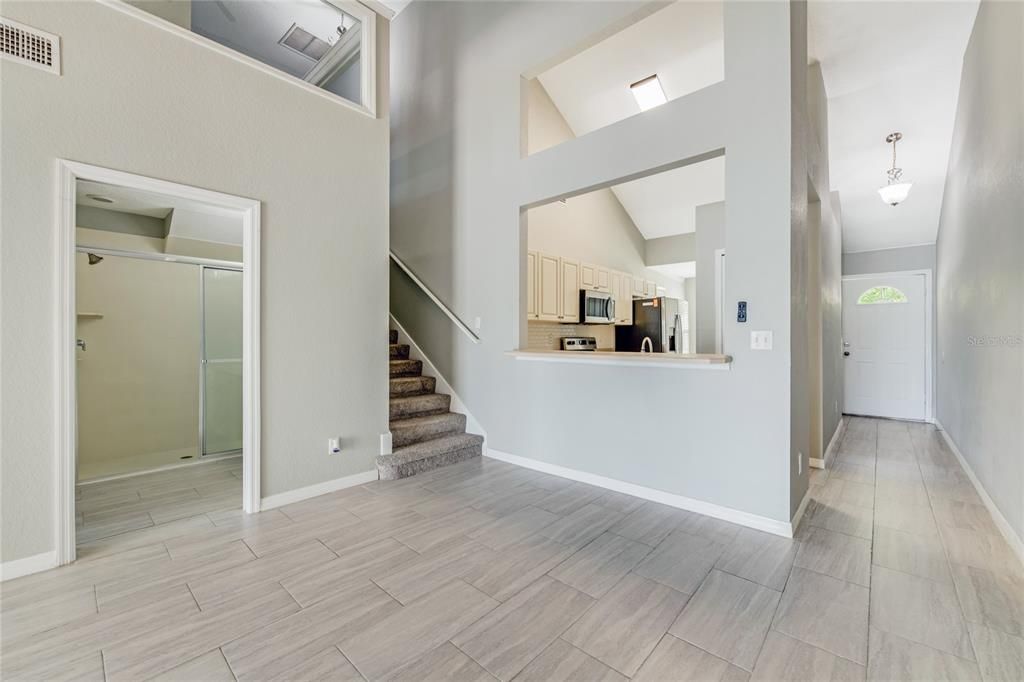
(399, 351)
(406, 386)
(406, 368)
(429, 454)
(419, 405)
(392, 336)
(416, 429)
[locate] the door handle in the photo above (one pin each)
(80, 343)
(846, 352)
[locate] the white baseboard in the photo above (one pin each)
(833, 445)
(9, 570)
(317, 489)
(416, 353)
(1002, 524)
(679, 501)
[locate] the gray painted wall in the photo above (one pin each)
(710, 221)
(830, 240)
(980, 255)
(679, 248)
(458, 183)
(321, 173)
(890, 260)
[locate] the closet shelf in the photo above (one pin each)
(90, 316)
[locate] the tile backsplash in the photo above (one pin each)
(546, 335)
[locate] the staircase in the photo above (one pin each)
(425, 434)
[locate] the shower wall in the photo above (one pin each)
(138, 379)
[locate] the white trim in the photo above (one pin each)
(438, 302)
(457, 405)
(317, 489)
(755, 521)
(163, 257)
(380, 8)
(623, 359)
(68, 173)
(833, 445)
(9, 570)
(1015, 542)
(719, 300)
(794, 524)
(929, 330)
(368, 52)
(207, 459)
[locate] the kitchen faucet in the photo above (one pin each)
(647, 346)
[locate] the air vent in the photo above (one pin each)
(305, 43)
(30, 46)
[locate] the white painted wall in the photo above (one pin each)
(178, 111)
(710, 237)
(980, 252)
(458, 182)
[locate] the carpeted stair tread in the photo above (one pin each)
(392, 336)
(407, 386)
(415, 429)
(406, 368)
(428, 455)
(418, 405)
(399, 351)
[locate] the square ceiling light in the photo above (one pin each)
(648, 92)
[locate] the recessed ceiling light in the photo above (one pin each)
(102, 200)
(648, 92)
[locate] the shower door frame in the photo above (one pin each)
(203, 361)
(65, 428)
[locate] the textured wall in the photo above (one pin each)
(178, 111)
(980, 262)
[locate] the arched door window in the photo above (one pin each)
(876, 295)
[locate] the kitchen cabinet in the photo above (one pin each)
(549, 295)
(638, 287)
(622, 291)
(531, 285)
(569, 282)
(650, 288)
(595, 278)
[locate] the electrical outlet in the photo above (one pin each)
(333, 446)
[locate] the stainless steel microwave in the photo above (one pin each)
(596, 307)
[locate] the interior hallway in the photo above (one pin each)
(484, 570)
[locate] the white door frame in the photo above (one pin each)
(68, 172)
(929, 368)
(719, 301)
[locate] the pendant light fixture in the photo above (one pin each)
(894, 191)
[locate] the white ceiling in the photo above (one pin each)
(190, 219)
(890, 66)
(683, 45)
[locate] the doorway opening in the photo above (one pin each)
(158, 379)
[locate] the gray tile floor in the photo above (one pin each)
(485, 570)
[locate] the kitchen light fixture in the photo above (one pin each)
(648, 92)
(894, 191)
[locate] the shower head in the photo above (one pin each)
(94, 259)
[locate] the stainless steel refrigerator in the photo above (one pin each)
(656, 319)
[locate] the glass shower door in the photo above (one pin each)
(222, 360)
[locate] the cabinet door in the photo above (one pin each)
(616, 285)
(531, 285)
(624, 304)
(570, 291)
(650, 288)
(604, 280)
(638, 286)
(548, 295)
(588, 276)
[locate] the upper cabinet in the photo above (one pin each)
(595, 278)
(570, 288)
(622, 291)
(650, 288)
(638, 286)
(549, 294)
(531, 285)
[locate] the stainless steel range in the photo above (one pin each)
(579, 343)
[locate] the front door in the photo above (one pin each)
(884, 339)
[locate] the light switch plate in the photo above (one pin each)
(761, 340)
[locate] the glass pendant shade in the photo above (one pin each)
(895, 193)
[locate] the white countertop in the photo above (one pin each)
(687, 361)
